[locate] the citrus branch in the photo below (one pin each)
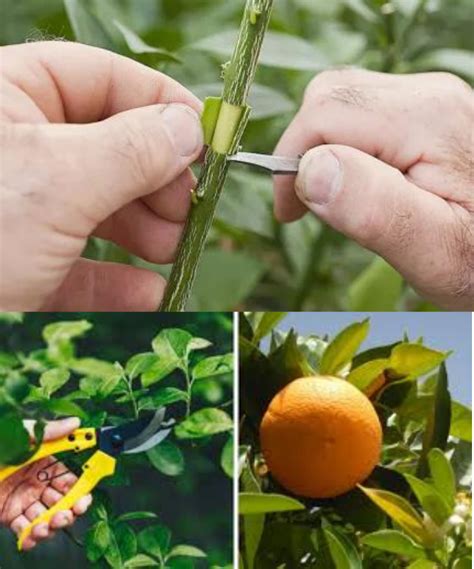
(238, 77)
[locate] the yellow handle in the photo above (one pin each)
(99, 466)
(79, 440)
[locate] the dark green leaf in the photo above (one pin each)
(227, 457)
(167, 458)
(214, 366)
(130, 516)
(167, 396)
(155, 540)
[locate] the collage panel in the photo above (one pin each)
(140, 407)
(355, 440)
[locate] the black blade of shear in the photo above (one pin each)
(127, 437)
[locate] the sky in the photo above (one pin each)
(442, 331)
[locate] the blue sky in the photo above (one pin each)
(443, 331)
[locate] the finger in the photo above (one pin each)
(174, 200)
(64, 482)
(107, 287)
(35, 510)
(72, 82)
(50, 496)
(18, 525)
(62, 520)
(40, 532)
(296, 140)
(82, 505)
(61, 428)
(374, 204)
(137, 229)
(122, 158)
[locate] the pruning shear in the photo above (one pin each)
(273, 164)
(132, 437)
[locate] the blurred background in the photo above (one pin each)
(197, 505)
(252, 261)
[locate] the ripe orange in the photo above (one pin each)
(320, 436)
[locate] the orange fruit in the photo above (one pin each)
(320, 436)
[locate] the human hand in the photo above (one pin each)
(23, 497)
(389, 163)
(92, 143)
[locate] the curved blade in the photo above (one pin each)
(156, 439)
(125, 438)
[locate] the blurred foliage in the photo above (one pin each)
(251, 260)
(53, 366)
(414, 510)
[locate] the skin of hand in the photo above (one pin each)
(388, 161)
(23, 497)
(92, 143)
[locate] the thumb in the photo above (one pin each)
(113, 162)
(374, 204)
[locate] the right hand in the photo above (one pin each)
(389, 162)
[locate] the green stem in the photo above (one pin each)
(189, 386)
(239, 75)
(128, 384)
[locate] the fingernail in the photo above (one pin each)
(184, 127)
(320, 177)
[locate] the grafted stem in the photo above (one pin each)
(238, 79)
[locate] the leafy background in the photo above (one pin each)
(178, 494)
(252, 261)
(415, 508)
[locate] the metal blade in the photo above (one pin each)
(273, 164)
(115, 440)
(156, 439)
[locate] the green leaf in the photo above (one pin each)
(227, 457)
(126, 540)
(430, 499)
(139, 363)
(155, 540)
(461, 421)
(130, 516)
(414, 360)
(86, 26)
(93, 367)
(64, 408)
(167, 458)
(363, 376)
(361, 9)
(443, 476)
(400, 511)
(137, 46)
(279, 50)
(463, 563)
(343, 348)
(12, 317)
(395, 542)
(257, 503)
(343, 552)
(58, 336)
(226, 288)
(265, 322)
(172, 346)
(167, 396)
(186, 551)
(423, 564)
(214, 366)
(53, 379)
(203, 423)
(378, 288)
(14, 439)
(437, 429)
(288, 362)
(97, 541)
(459, 61)
(141, 561)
